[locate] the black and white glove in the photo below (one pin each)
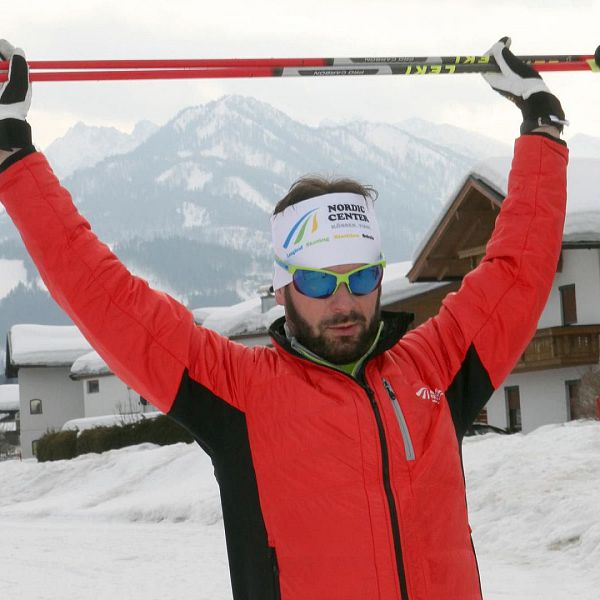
(15, 99)
(524, 86)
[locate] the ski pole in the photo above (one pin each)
(315, 67)
(280, 62)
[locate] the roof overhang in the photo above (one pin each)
(457, 242)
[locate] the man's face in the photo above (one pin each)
(340, 328)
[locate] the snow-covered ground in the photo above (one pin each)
(144, 523)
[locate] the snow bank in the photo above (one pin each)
(533, 503)
(533, 498)
(107, 421)
(140, 483)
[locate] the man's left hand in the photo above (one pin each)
(524, 86)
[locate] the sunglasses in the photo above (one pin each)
(320, 283)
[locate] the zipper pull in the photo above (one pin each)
(388, 386)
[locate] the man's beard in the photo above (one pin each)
(339, 350)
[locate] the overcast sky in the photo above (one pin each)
(62, 29)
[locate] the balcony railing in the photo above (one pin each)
(556, 347)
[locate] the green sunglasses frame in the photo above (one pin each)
(339, 277)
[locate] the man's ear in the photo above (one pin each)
(280, 297)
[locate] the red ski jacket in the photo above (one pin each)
(333, 487)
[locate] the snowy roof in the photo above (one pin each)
(396, 286)
(239, 319)
(583, 205)
(485, 174)
(9, 397)
(89, 365)
(45, 345)
(582, 223)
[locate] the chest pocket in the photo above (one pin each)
(416, 412)
(409, 449)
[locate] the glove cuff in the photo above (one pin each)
(14, 133)
(542, 108)
(15, 157)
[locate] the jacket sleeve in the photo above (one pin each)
(148, 339)
(469, 348)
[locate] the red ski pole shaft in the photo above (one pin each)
(283, 62)
(401, 66)
(261, 72)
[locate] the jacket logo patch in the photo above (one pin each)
(428, 394)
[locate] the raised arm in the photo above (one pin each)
(147, 338)
(481, 331)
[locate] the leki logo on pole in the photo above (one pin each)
(300, 226)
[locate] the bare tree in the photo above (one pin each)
(589, 390)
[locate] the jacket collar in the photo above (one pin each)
(395, 325)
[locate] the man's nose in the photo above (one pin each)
(342, 300)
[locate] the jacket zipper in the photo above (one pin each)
(408, 446)
(359, 378)
(385, 463)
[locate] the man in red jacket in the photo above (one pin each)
(337, 451)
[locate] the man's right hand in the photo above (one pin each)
(15, 99)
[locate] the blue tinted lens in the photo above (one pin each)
(314, 284)
(366, 280)
(321, 285)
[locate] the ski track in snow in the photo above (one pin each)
(143, 523)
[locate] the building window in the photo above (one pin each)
(572, 389)
(35, 406)
(93, 386)
(513, 406)
(34, 447)
(568, 304)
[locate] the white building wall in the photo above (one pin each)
(543, 396)
(581, 267)
(61, 398)
(113, 398)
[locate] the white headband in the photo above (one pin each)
(329, 230)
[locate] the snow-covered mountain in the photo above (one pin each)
(465, 142)
(584, 146)
(86, 145)
(215, 171)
